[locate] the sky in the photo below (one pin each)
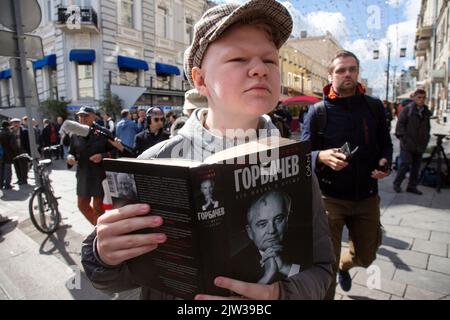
(362, 26)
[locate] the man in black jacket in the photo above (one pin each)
(22, 144)
(413, 130)
(350, 186)
(154, 133)
(8, 144)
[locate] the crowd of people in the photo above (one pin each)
(137, 129)
(135, 132)
(14, 140)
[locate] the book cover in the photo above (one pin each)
(244, 213)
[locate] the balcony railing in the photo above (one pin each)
(424, 27)
(423, 44)
(88, 18)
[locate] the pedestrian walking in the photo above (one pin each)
(349, 119)
(413, 131)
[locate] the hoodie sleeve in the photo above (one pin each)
(118, 278)
(103, 277)
(312, 284)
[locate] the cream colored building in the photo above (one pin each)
(112, 44)
(174, 29)
(300, 74)
(132, 46)
(304, 64)
(433, 55)
(322, 48)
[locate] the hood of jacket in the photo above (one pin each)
(193, 141)
(329, 93)
(211, 141)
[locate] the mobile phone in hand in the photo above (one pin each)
(345, 149)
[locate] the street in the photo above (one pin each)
(412, 263)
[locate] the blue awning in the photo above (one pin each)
(5, 74)
(82, 55)
(49, 60)
(131, 63)
(166, 69)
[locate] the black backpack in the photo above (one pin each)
(321, 116)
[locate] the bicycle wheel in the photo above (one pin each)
(44, 211)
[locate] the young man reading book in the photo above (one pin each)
(233, 61)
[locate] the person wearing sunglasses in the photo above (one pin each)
(154, 132)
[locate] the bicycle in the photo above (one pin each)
(43, 205)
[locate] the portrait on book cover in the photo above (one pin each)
(122, 188)
(263, 259)
(126, 186)
(207, 190)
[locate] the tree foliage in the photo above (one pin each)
(52, 109)
(111, 104)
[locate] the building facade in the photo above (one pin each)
(406, 83)
(322, 48)
(133, 47)
(300, 74)
(433, 55)
(304, 64)
(174, 30)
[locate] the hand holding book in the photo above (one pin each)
(115, 244)
(221, 217)
(244, 290)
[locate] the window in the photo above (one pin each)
(49, 10)
(163, 82)
(296, 81)
(85, 81)
(128, 77)
(290, 82)
(53, 84)
(127, 13)
(161, 22)
(190, 29)
(5, 92)
(82, 3)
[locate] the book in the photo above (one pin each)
(244, 212)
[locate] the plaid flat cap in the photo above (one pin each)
(218, 19)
